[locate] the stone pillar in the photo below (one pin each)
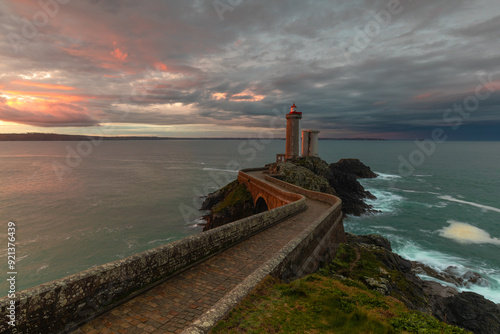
(293, 133)
(305, 143)
(310, 143)
(313, 143)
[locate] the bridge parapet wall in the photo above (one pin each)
(61, 305)
(273, 196)
(301, 256)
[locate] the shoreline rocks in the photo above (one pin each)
(226, 205)
(342, 177)
(467, 310)
(354, 167)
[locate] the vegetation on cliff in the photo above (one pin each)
(227, 204)
(303, 177)
(338, 178)
(234, 202)
(363, 290)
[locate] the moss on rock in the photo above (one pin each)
(228, 204)
(303, 177)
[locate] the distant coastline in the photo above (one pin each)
(61, 137)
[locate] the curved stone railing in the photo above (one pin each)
(316, 244)
(301, 256)
(61, 305)
(275, 196)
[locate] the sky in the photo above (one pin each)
(232, 68)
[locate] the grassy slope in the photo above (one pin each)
(325, 302)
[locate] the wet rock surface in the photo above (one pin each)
(354, 167)
(226, 205)
(369, 259)
(342, 177)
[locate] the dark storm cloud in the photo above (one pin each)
(359, 68)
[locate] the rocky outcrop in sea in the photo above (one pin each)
(370, 260)
(233, 202)
(340, 179)
(226, 205)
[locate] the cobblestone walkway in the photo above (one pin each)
(174, 304)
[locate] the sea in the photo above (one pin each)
(76, 205)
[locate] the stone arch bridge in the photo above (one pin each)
(265, 195)
(188, 285)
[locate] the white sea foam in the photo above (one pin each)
(385, 202)
(44, 266)
(467, 234)
(389, 228)
(485, 207)
(159, 240)
(433, 193)
(434, 259)
(410, 191)
(384, 176)
(21, 258)
(220, 170)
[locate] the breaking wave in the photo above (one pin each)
(467, 234)
(485, 207)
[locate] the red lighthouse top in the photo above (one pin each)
(293, 109)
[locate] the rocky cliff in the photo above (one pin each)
(369, 259)
(227, 204)
(338, 178)
(234, 202)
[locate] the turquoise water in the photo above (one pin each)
(124, 197)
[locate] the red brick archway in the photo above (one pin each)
(271, 196)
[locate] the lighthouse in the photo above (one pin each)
(293, 133)
(293, 147)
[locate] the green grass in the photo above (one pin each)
(236, 194)
(325, 302)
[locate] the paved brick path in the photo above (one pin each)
(174, 304)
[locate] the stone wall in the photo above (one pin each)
(273, 196)
(301, 256)
(59, 306)
(316, 244)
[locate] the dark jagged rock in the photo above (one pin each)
(368, 259)
(344, 183)
(438, 290)
(470, 311)
(350, 191)
(228, 204)
(302, 177)
(354, 167)
(451, 275)
(314, 164)
(370, 239)
(212, 199)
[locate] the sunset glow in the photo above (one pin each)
(184, 64)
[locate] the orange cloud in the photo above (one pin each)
(45, 113)
(424, 96)
(161, 66)
(45, 95)
(41, 85)
(247, 95)
(219, 96)
(118, 54)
